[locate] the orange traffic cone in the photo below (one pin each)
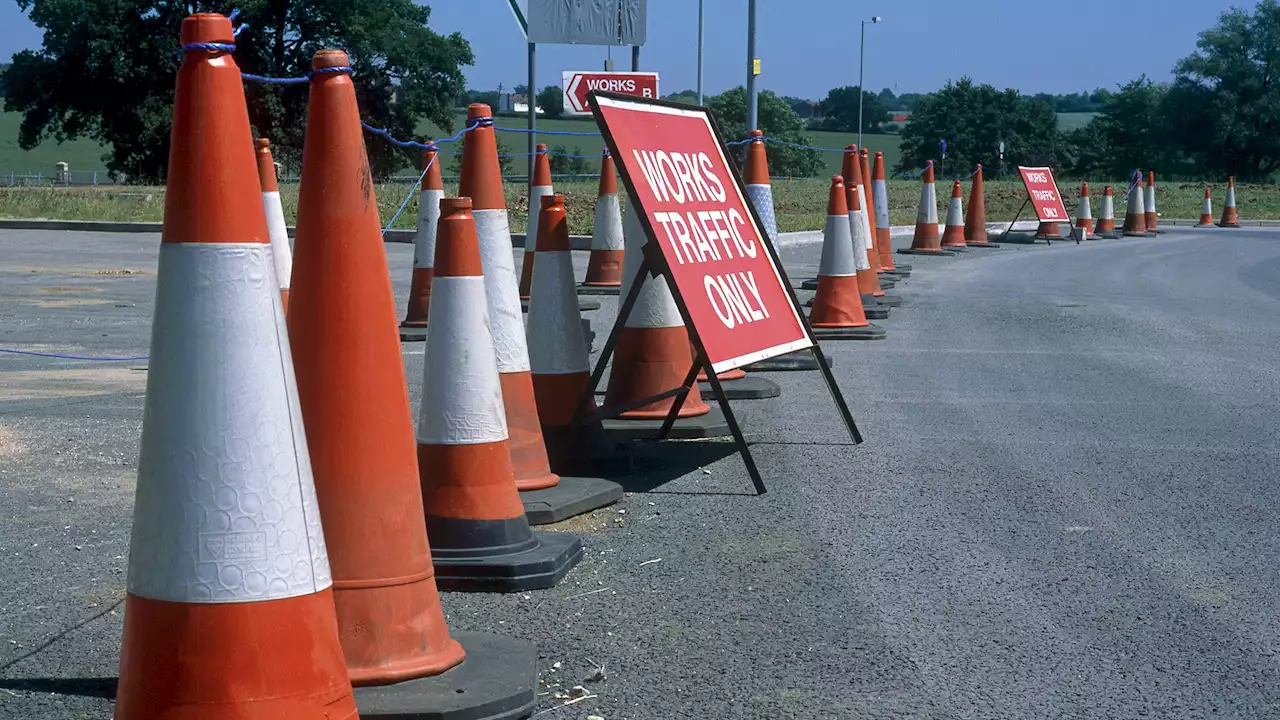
(926, 240)
(229, 612)
(875, 302)
(837, 312)
(880, 207)
(1048, 231)
(1107, 215)
(1229, 217)
(539, 186)
(1084, 214)
(975, 221)
(356, 405)
(867, 200)
(560, 365)
(414, 326)
(953, 235)
(280, 252)
(1149, 206)
(480, 538)
(759, 189)
(1206, 212)
(1135, 215)
(481, 180)
(604, 267)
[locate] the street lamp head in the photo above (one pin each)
(876, 19)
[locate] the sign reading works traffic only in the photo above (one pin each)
(578, 83)
(1043, 191)
(694, 207)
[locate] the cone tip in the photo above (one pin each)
(452, 204)
(540, 147)
(206, 28)
(837, 180)
(476, 111)
(756, 133)
(552, 200)
(262, 144)
(329, 58)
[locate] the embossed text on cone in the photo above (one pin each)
(604, 266)
(480, 537)
(561, 368)
(229, 613)
(414, 326)
(837, 308)
(1229, 217)
(926, 240)
(539, 187)
(481, 180)
(356, 404)
(281, 254)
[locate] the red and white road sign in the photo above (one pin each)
(580, 82)
(1044, 194)
(694, 209)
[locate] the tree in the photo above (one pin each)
(777, 120)
(1134, 129)
(973, 119)
(840, 110)
(106, 71)
(551, 100)
(1227, 94)
(688, 97)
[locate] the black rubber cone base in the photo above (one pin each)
(984, 246)
(901, 268)
(571, 496)
(747, 388)
(809, 284)
(887, 301)
(584, 305)
(413, 334)
(871, 309)
(798, 361)
(934, 253)
(538, 568)
(955, 248)
(599, 289)
(497, 681)
(886, 283)
(711, 425)
(870, 332)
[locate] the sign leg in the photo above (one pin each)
(670, 420)
(738, 438)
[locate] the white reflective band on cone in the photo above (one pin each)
(225, 506)
(1135, 201)
(880, 198)
(1150, 198)
(506, 319)
(837, 249)
(424, 245)
(860, 233)
(654, 307)
(279, 234)
(536, 193)
(1208, 207)
(1230, 201)
(927, 213)
(866, 219)
(761, 197)
(1108, 208)
(461, 395)
(606, 234)
(1086, 209)
(955, 213)
(556, 347)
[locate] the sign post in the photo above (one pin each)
(706, 240)
(577, 83)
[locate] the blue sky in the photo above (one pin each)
(809, 46)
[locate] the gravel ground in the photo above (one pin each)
(1063, 508)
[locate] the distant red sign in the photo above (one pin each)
(694, 210)
(1044, 194)
(578, 83)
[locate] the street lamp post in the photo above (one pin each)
(862, 57)
(700, 14)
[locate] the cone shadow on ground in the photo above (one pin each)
(99, 687)
(659, 463)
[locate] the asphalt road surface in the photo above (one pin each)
(1065, 507)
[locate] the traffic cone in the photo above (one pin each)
(953, 236)
(481, 180)
(1048, 231)
(414, 326)
(975, 219)
(538, 187)
(862, 230)
(863, 178)
(480, 538)
(1149, 206)
(229, 612)
(759, 191)
(1206, 213)
(356, 405)
(1107, 215)
(561, 370)
(880, 206)
(604, 267)
(1084, 214)
(1229, 217)
(281, 255)
(1135, 216)
(837, 312)
(926, 240)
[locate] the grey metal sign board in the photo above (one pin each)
(588, 22)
